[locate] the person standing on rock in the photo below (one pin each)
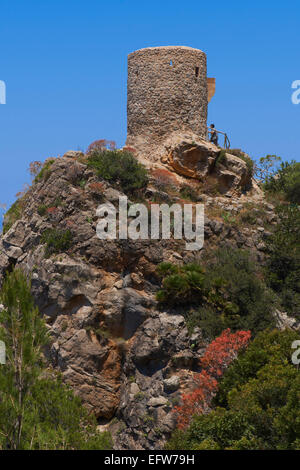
(213, 135)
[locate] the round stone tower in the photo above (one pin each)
(167, 92)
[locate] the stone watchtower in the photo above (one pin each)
(167, 91)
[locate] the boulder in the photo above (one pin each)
(199, 160)
(284, 321)
(158, 401)
(73, 154)
(191, 159)
(171, 384)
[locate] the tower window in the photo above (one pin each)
(171, 63)
(197, 71)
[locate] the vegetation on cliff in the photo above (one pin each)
(283, 262)
(94, 290)
(285, 181)
(259, 398)
(37, 411)
(226, 292)
(119, 167)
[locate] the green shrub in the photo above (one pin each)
(247, 217)
(56, 241)
(287, 181)
(292, 186)
(221, 158)
(12, 215)
(283, 264)
(180, 284)
(37, 411)
(45, 172)
(238, 297)
(228, 293)
(62, 421)
(229, 218)
(119, 167)
(188, 192)
(269, 346)
(166, 268)
(259, 395)
(42, 209)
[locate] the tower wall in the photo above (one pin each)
(166, 92)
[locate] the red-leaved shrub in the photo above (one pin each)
(217, 357)
(100, 145)
(34, 168)
(163, 178)
(96, 187)
(129, 149)
(52, 210)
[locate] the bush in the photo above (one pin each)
(259, 395)
(188, 192)
(239, 299)
(292, 185)
(37, 411)
(45, 172)
(228, 293)
(181, 284)
(269, 346)
(100, 145)
(283, 264)
(163, 179)
(221, 158)
(217, 357)
(42, 209)
(61, 420)
(12, 215)
(286, 181)
(119, 167)
(56, 241)
(34, 168)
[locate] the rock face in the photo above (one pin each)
(190, 157)
(199, 160)
(159, 362)
(284, 321)
(123, 356)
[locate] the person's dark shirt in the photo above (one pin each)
(214, 137)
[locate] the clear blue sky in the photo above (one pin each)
(64, 64)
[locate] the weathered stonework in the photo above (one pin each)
(167, 92)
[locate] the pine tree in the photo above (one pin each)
(24, 333)
(37, 411)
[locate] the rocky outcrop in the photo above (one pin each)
(200, 160)
(190, 157)
(284, 321)
(158, 366)
(125, 358)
